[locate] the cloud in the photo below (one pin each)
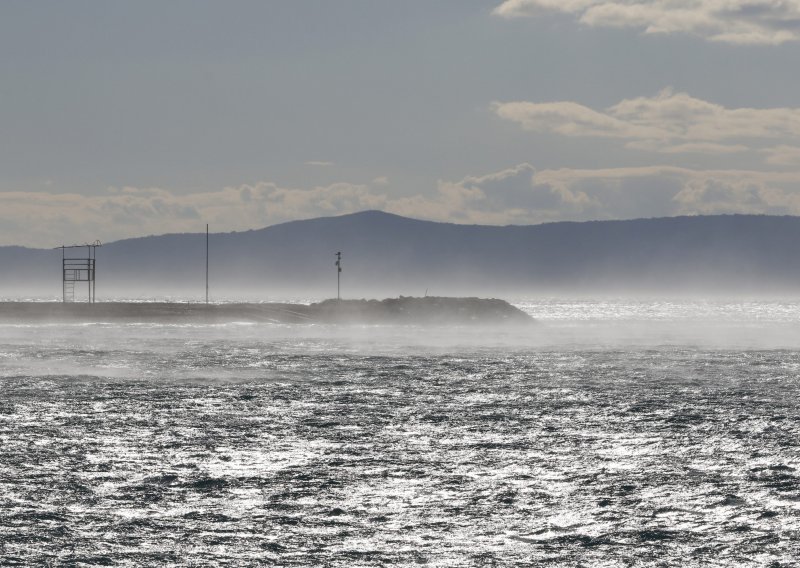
(524, 195)
(517, 195)
(783, 155)
(320, 164)
(662, 191)
(526, 8)
(744, 22)
(708, 148)
(506, 197)
(668, 122)
(570, 119)
(132, 212)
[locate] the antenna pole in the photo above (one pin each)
(206, 263)
(91, 273)
(338, 275)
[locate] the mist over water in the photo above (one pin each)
(615, 432)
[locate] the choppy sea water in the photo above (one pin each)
(613, 433)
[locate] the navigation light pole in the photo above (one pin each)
(338, 275)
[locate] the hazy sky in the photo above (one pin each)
(123, 119)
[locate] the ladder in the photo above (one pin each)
(69, 290)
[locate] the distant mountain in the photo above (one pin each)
(384, 254)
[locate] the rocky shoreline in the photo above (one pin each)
(429, 310)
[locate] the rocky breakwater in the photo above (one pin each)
(422, 311)
(430, 310)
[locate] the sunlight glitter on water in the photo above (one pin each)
(153, 445)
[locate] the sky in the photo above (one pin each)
(123, 119)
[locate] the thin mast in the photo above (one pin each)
(206, 263)
(338, 275)
(63, 275)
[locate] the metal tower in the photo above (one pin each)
(78, 269)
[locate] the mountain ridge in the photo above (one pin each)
(388, 254)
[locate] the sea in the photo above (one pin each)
(613, 432)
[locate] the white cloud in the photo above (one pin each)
(759, 22)
(132, 212)
(708, 148)
(666, 191)
(523, 195)
(504, 197)
(570, 119)
(668, 122)
(783, 155)
(521, 8)
(320, 163)
(517, 195)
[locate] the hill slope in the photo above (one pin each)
(385, 254)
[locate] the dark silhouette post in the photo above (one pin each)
(206, 263)
(93, 264)
(338, 274)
